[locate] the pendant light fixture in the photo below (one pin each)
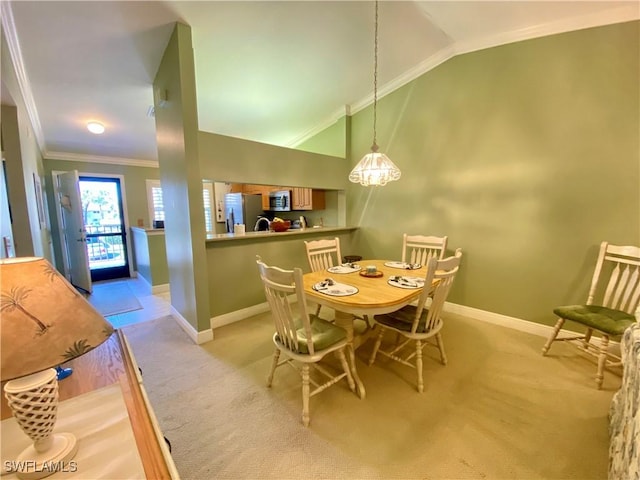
(375, 168)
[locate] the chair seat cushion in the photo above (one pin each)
(324, 334)
(402, 319)
(607, 320)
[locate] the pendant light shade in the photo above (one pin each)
(375, 168)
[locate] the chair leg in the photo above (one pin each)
(587, 338)
(347, 370)
(602, 360)
(443, 356)
(553, 336)
(274, 364)
(305, 394)
(318, 310)
(419, 365)
(376, 346)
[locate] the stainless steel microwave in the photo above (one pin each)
(280, 201)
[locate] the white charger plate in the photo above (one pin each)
(344, 269)
(403, 265)
(335, 290)
(409, 282)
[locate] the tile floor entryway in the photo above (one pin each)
(153, 305)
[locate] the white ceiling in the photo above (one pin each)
(273, 72)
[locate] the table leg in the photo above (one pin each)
(345, 320)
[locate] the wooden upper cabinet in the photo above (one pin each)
(301, 198)
(307, 199)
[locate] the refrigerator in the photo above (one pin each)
(242, 208)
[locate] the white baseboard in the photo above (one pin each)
(526, 326)
(154, 289)
(514, 323)
(499, 319)
(162, 288)
(197, 337)
(231, 317)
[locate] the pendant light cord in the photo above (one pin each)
(374, 147)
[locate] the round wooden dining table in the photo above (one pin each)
(375, 296)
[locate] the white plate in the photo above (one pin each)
(403, 265)
(344, 269)
(406, 282)
(335, 290)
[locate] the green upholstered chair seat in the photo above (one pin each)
(403, 319)
(607, 320)
(324, 334)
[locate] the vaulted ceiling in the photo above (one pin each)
(273, 72)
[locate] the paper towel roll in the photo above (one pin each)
(238, 228)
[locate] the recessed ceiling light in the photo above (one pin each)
(95, 127)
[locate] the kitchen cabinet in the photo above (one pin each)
(301, 198)
(307, 199)
(254, 189)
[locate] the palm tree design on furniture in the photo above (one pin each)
(13, 301)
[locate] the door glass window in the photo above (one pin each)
(102, 211)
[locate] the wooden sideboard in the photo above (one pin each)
(111, 363)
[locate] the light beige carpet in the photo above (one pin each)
(498, 410)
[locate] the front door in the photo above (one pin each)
(104, 225)
(70, 206)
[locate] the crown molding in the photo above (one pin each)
(423, 67)
(326, 123)
(11, 36)
(615, 15)
(76, 157)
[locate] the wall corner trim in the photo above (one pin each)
(198, 337)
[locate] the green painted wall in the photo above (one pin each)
(151, 257)
(177, 138)
(158, 255)
(135, 192)
(230, 159)
(331, 141)
(525, 155)
(22, 160)
(143, 257)
(235, 283)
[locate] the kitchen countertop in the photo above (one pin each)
(221, 237)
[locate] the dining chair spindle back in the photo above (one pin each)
(420, 248)
(418, 323)
(323, 253)
(303, 339)
(612, 301)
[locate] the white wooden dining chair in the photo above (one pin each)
(303, 339)
(323, 254)
(614, 297)
(420, 248)
(418, 324)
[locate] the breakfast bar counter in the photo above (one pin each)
(271, 235)
(235, 289)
